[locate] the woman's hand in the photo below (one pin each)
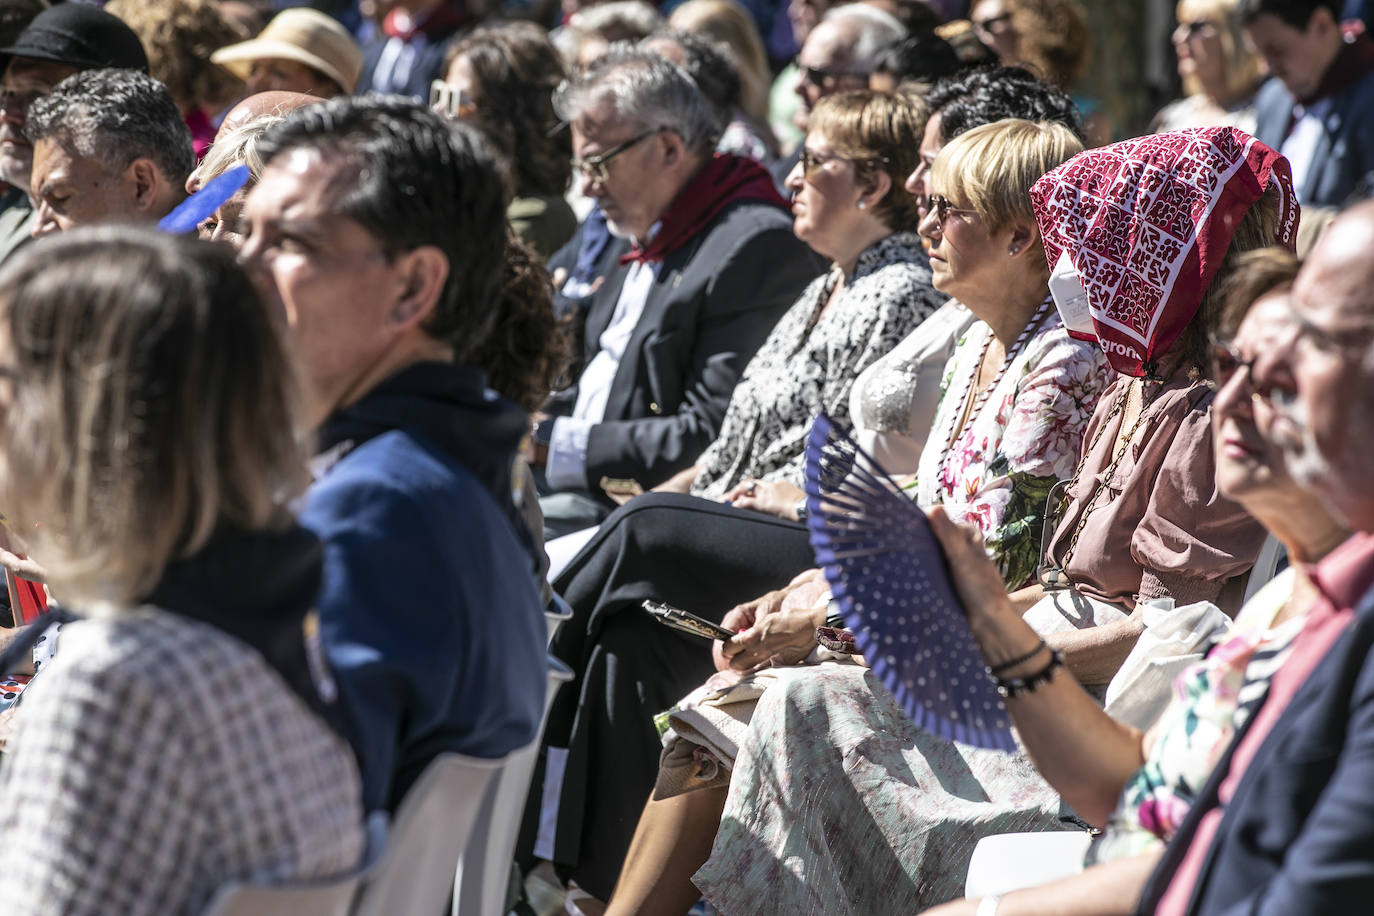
(12, 557)
(974, 576)
(778, 628)
(772, 497)
(681, 482)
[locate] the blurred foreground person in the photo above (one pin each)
(186, 734)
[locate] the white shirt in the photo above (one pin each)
(566, 468)
(1301, 143)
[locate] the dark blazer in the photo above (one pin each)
(713, 302)
(1298, 837)
(428, 65)
(1343, 161)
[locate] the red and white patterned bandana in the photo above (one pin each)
(1145, 224)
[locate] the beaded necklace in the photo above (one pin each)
(965, 419)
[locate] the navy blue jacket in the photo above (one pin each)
(429, 611)
(1298, 836)
(1343, 161)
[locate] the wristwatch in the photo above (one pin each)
(800, 509)
(542, 434)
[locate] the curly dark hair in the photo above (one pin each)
(986, 94)
(179, 36)
(528, 348)
(516, 69)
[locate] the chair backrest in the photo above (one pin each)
(327, 897)
(429, 834)
(482, 877)
(1271, 554)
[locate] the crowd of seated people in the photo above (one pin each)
(338, 354)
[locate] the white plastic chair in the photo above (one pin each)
(483, 875)
(1011, 861)
(556, 614)
(326, 897)
(429, 834)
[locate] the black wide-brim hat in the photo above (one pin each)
(84, 36)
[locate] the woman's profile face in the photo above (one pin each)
(825, 197)
(1246, 424)
(965, 261)
(992, 23)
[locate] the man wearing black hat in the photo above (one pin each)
(60, 41)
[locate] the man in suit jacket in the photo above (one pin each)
(1319, 109)
(409, 53)
(701, 265)
(1286, 823)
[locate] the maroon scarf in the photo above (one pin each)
(1146, 224)
(722, 181)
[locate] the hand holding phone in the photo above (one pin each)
(681, 620)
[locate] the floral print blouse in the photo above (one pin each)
(1024, 438)
(809, 363)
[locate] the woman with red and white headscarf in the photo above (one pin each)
(837, 802)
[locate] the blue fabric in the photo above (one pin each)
(429, 612)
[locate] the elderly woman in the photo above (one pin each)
(688, 547)
(185, 735)
(891, 811)
(502, 79)
(1219, 68)
(1141, 785)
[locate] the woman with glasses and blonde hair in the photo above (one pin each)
(1220, 70)
(185, 734)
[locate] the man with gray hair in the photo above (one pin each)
(839, 54)
(108, 145)
(702, 264)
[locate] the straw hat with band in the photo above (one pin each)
(303, 35)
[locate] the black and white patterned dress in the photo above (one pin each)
(809, 363)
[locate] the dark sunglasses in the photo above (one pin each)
(941, 205)
(821, 78)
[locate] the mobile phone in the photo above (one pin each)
(670, 616)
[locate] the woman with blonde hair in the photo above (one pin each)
(1220, 69)
(726, 23)
(185, 734)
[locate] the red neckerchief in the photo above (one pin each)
(1352, 64)
(722, 181)
(439, 22)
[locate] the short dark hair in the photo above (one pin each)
(710, 68)
(1257, 273)
(15, 16)
(988, 94)
(115, 116)
(923, 57)
(1296, 13)
(420, 180)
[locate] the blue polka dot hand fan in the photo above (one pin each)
(887, 573)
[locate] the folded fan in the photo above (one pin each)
(887, 573)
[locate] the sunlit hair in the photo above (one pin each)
(990, 168)
(151, 402)
(179, 36)
(1256, 273)
(236, 147)
(880, 133)
(1244, 68)
(1054, 39)
(726, 22)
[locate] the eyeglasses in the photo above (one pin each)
(17, 100)
(1227, 363)
(941, 206)
(822, 78)
(1187, 31)
(594, 167)
(993, 25)
(450, 102)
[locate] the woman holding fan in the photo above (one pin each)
(891, 812)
